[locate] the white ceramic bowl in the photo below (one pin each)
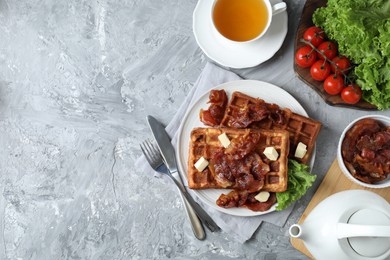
(382, 184)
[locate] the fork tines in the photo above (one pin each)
(152, 153)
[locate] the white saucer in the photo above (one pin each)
(237, 55)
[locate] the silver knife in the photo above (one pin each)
(168, 153)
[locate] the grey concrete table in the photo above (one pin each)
(77, 79)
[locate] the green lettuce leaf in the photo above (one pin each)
(299, 180)
(361, 29)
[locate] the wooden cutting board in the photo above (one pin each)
(333, 182)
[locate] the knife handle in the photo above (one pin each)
(196, 225)
(207, 220)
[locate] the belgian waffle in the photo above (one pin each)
(301, 128)
(204, 143)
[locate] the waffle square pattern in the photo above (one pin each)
(242, 165)
(300, 128)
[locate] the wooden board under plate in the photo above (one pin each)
(304, 73)
(334, 181)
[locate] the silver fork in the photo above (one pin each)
(153, 156)
(155, 160)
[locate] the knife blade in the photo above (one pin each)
(168, 153)
(164, 143)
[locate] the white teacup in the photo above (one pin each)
(229, 11)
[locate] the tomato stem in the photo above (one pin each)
(328, 60)
(320, 33)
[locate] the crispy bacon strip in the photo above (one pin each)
(363, 127)
(242, 174)
(241, 146)
(214, 114)
(366, 151)
(244, 199)
(252, 113)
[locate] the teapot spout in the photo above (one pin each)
(295, 231)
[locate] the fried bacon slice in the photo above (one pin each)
(366, 151)
(277, 115)
(242, 174)
(244, 199)
(214, 114)
(363, 127)
(239, 166)
(253, 113)
(241, 146)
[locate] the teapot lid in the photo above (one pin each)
(370, 246)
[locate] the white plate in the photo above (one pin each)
(237, 55)
(266, 91)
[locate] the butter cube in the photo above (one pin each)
(224, 139)
(271, 153)
(262, 196)
(301, 150)
(201, 164)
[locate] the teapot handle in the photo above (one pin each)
(353, 230)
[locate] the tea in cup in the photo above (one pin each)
(244, 20)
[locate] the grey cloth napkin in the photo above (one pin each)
(242, 228)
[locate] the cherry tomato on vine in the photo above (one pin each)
(329, 49)
(320, 70)
(351, 94)
(333, 84)
(314, 35)
(305, 57)
(342, 63)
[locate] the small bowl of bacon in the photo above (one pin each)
(363, 152)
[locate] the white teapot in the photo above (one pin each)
(353, 224)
